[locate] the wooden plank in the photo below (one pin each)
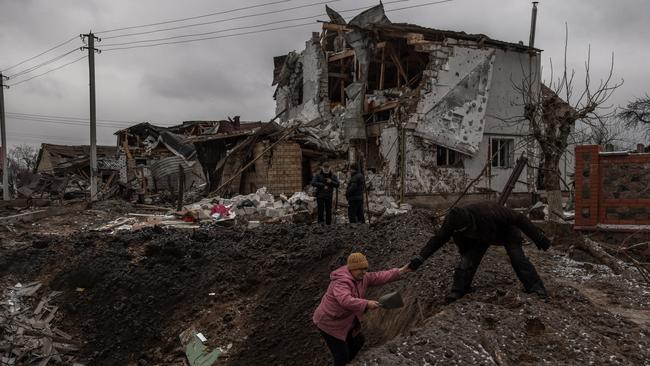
(40, 214)
(52, 313)
(39, 308)
(338, 75)
(25, 203)
(398, 64)
(335, 27)
(388, 105)
(382, 68)
(341, 55)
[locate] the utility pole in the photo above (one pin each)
(3, 132)
(93, 114)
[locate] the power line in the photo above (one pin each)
(223, 20)
(64, 122)
(237, 28)
(41, 54)
(78, 121)
(41, 138)
(44, 63)
(268, 29)
(67, 118)
(207, 38)
(47, 72)
(194, 17)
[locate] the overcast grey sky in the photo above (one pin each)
(222, 77)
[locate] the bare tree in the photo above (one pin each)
(23, 158)
(553, 118)
(602, 132)
(637, 114)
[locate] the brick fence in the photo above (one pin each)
(612, 189)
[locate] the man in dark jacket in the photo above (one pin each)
(325, 183)
(474, 228)
(354, 195)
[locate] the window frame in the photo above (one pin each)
(504, 157)
(452, 158)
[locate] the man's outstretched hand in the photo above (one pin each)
(415, 263)
(405, 269)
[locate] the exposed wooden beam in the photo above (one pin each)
(338, 75)
(398, 64)
(382, 69)
(341, 55)
(335, 27)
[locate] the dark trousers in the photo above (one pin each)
(471, 255)
(324, 210)
(344, 352)
(355, 211)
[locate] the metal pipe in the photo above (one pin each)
(533, 24)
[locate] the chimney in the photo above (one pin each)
(236, 122)
(533, 24)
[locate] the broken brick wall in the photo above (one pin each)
(279, 170)
(612, 189)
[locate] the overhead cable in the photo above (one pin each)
(40, 54)
(222, 20)
(47, 72)
(192, 18)
(127, 47)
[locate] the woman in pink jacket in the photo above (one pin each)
(340, 313)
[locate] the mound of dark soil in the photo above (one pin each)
(128, 296)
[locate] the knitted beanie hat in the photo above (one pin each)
(357, 261)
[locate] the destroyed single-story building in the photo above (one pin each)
(61, 159)
(155, 157)
(425, 110)
(64, 171)
(245, 157)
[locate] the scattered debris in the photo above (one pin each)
(28, 336)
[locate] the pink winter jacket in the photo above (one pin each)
(345, 300)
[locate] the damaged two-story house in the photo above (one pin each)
(427, 111)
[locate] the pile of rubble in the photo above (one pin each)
(258, 207)
(250, 210)
(28, 337)
(381, 204)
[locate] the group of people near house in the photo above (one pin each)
(327, 183)
(474, 228)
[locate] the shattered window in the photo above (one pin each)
(448, 158)
(501, 151)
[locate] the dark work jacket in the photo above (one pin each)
(492, 224)
(354, 192)
(323, 189)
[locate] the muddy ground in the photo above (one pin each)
(127, 297)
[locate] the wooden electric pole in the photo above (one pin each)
(3, 132)
(93, 116)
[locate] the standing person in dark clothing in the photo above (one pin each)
(474, 228)
(325, 183)
(354, 195)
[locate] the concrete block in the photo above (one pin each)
(278, 204)
(254, 224)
